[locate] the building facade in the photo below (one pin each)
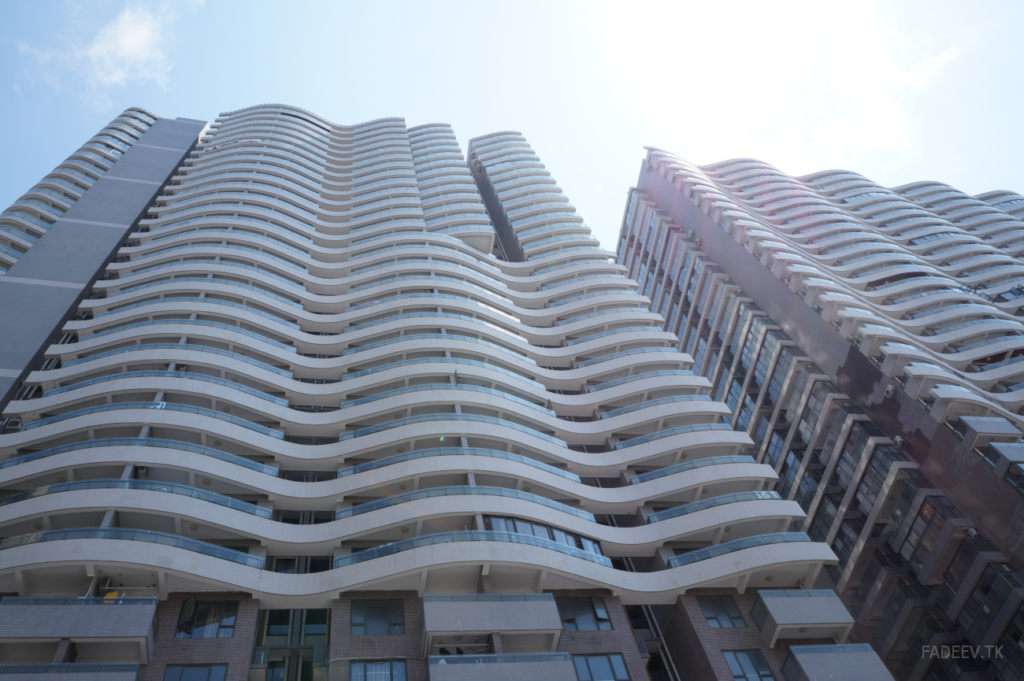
(853, 331)
(294, 400)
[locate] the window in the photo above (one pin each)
(216, 672)
(584, 614)
(377, 618)
(600, 667)
(748, 665)
(316, 622)
(377, 671)
(277, 622)
(721, 612)
(207, 619)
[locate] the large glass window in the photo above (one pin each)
(721, 612)
(748, 665)
(207, 619)
(378, 618)
(600, 667)
(378, 671)
(215, 672)
(584, 614)
(277, 622)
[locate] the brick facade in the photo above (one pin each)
(697, 647)
(235, 651)
(407, 646)
(619, 640)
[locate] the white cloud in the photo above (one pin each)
(802, 85)
(129, 50)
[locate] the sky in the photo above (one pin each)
(897, 91)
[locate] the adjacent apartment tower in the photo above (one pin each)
(287, 400)
(868, 341)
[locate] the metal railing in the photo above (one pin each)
(168, 406)
(653, 403)
(424, 418)
(689, 466)
(456, 451)
(713, 502)
(697, 427)
(70, 668)
(146, 485)
(481, 598)
(259, 656)
(466, 536)
(147, 536)
(50, 600)
(500, 659)
(143, 442)
(461, 490)
(446, 386)
(736, 545)
(186, 347)
(639, 377)
(171, 374)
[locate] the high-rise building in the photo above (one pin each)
(866, 340)
(291, 400)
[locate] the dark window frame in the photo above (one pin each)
(577, 613)
(190, 613)
(214, 672)
(721, 612)
(362, 609)
(585, 666)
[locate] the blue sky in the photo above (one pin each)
(896, 91)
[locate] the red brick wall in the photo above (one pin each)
(235, 651)
(619, 640)
(696, 647)
(408, 645)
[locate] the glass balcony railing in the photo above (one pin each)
(459, 490)
(445, 386)
(426, 418)
(71, 668)
(454, 451)
(713, 502)
(697, 427)
(613, 332)
(233, 247)
(219, 263)
(618, 310)
(186, 347)
(171, 374)
(653, 403)
(206, 280)
(505, 658)
(72, 600)
(441, 360)
(624, 353)
(205, 301)
(689, 466)
(441, 337)
(195, 322)
(486, 598)
(640, 377)
(145, 485)
(146, 536)
(470, 536)
(168, 406)
(443, 315)
(142, 442)
(736, 545)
